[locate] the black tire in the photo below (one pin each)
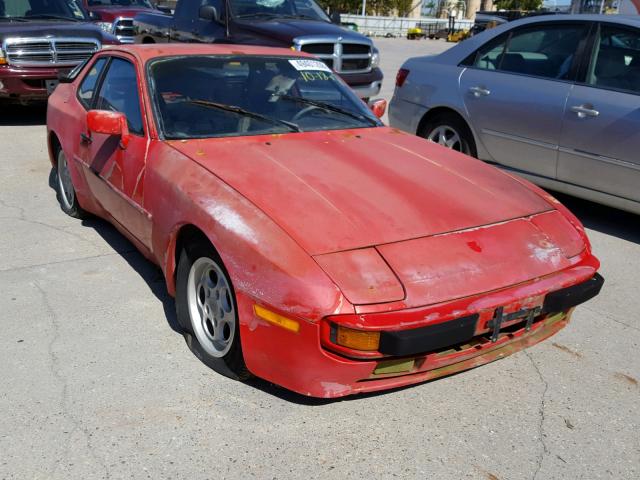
(65, 191)
(455, 123)
(230, 364)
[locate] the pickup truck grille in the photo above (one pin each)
(343, 56)
(123, 29)
(37, 52)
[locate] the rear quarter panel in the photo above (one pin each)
(431, 84)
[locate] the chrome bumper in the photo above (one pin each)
(368, 91)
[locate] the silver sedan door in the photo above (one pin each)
(600, 145)
(515, 89)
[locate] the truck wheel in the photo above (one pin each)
(65, 191)
(206, 308)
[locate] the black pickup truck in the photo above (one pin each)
(298, 24)
(39, 40)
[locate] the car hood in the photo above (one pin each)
(285, 30)
(45, 29)
(109, 14)
(341, 190)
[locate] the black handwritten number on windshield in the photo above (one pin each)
(313, 76)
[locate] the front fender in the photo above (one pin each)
(263, 261)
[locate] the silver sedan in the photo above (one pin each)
(555, 99)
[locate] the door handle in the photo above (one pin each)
(479, 91)
(85, 139)
(584, 111)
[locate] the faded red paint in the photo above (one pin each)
(366, 228)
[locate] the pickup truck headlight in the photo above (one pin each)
(3, 58)
(375, 58)
(105, 26)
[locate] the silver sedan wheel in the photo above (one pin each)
(67, 193)
(448, 137)
(211, 309)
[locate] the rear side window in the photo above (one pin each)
(546, 51)
(616, 60)
(88, 85)
(119, 93)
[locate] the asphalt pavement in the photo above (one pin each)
(97, 383)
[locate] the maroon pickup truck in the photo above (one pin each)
(116, 16)
(38, 40)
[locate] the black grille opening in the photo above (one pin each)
(318, 48)
(355, 49)
(355, 64)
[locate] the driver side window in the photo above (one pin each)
(119, 93)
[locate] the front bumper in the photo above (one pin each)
(365, 85)
(26, 84)
(302, 362)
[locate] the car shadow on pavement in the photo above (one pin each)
(603, 219)
(23, 115)
(150, 273)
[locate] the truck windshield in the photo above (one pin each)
(303, 9)
(215, 96)
(120, 3)
(42, 10)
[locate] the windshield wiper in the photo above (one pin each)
(50, 16)
(13, 19)
(302, 17)
(259, 14)
(331, 108)
(241, 111)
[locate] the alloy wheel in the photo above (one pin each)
(211, 307)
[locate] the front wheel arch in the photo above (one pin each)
(446, 111)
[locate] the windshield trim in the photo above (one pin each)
(155, 108)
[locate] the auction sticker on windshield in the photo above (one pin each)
(305, 65)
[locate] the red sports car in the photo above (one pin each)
(305, 242)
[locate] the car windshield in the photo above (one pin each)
(215, 96)
(265, 9)
(42, 10)
(120, 3)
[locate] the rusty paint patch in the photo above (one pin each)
(627, 378)
(567, 350)
(200, 153)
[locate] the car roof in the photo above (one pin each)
(465, 48)
(145, 52)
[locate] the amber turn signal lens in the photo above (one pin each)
(357, 339)
(276, 319)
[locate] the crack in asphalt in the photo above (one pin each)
(541, 410)
(70, 260)
(608, 316)
(22, 217)
(54, 365)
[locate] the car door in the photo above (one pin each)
(115, 174)
(191, 27)
(515, 89)
(601, 128)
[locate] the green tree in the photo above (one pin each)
(527, 5)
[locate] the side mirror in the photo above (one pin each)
(378, 107)
(335, 17)
(209, 12)
(109, 123)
